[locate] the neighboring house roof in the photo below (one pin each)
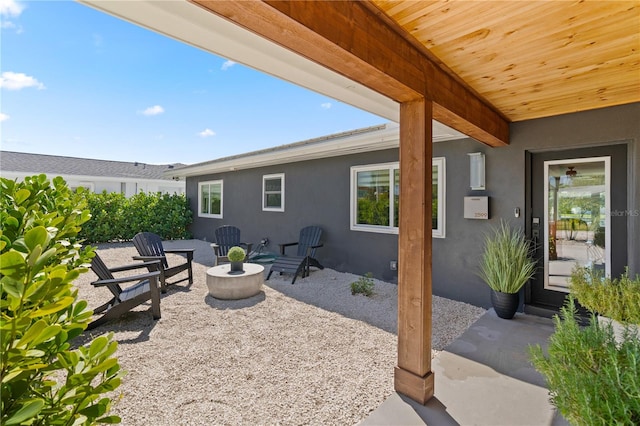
(58, 165)
(374, 138)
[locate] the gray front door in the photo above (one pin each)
(575, 199)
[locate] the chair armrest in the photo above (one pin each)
(216, 249)
(135, 266)
(126, 279)
(283, 246)
(313, 248)
(147, 258)
(188, 252)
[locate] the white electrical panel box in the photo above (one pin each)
(476, 207)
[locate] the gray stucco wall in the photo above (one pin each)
(455, 258)
(317, 193)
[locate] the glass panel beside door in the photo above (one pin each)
(576, 220)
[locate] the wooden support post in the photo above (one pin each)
(413, 376)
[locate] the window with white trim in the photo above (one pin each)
(375, 198)
(210, 199)
(273, 192)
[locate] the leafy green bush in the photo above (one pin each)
(592, 379)
(115, 217)
(364, 285)
(618, 298)
(107, 213)
(44, 381)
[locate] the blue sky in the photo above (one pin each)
(78, 82)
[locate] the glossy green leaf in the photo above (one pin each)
(36, 237)
(109, 420)
(97, 346)
(34, 331)
(48, 333)
(21, 196)
(28, 411)
(12, 264)
(44, 258)
(34, 255)
(11, 222)
(52, 308)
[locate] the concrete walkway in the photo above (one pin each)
(482, 378)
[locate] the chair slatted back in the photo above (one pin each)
(227, 236)
(150, 244)
(309, 236)
(100, 269)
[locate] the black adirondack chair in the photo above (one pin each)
(227, 236)
(308, 242)
(149, 246)
(125, 299)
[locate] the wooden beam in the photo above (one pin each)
(413, 376)
(349, 37)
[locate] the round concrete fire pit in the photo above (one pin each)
(231, 286)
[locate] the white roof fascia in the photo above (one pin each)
(386, 138)
(331, 146)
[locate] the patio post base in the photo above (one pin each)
(418, 388)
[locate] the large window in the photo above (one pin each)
(375, 198)
(210, 199)
(273, 192)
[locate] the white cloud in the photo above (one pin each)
(17, 80)
(152, 110)
(227, 65)
(206, 133)
(3, 117)
(325, 105)
(11, 8)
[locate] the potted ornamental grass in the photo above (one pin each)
(506, 266)
(236, 257)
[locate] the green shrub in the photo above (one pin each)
(592, 379)
(107, 213)
(364, 285)
(618, 298)
(44, 381)
(115, 217)
(236, 254)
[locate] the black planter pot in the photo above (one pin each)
(236, 268)
(505, 304)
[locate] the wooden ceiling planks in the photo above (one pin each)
(532, 59)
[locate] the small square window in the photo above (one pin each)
(273, 192)
(210, 199)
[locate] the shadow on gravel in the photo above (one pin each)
(234, 304)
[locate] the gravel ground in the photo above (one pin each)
(309, 353)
